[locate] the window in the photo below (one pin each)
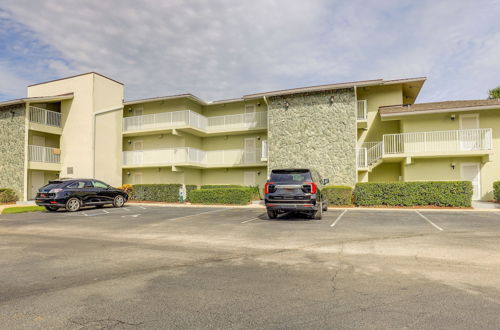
(99, 184)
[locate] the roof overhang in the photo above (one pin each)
(38, 99)
(183, 96)
(417, 82)
(397, 115)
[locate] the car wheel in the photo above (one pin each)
(73, 204)
(272, 214)
(51, 208)
(119, 201)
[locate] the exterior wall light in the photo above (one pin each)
(452, 117)
(452, 165)
(129, 141)
(331, 99)
(128, 173)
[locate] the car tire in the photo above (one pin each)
(73, 204)
(51, 208)
(119, 201)
(272, 214)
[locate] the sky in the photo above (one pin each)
(220, 49)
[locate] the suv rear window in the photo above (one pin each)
(289, 176)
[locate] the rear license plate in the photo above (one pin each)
(43, 195)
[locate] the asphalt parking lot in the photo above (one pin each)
(174, 267)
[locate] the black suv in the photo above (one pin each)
(72, 194)
(295, 190)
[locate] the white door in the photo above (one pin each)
(469, 140)
(471, 172)
(250, 152)
(39, 153)
(249, 178)
(137, 178)
(250, 115)
(37, 181)
(137, 146)
(263, 153)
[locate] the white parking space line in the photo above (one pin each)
(338, 218)
(250, 220)
(429, 221)
(193, 215)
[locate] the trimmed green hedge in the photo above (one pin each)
(7, 195)
(157, 192)
(337, 195)
(256, 190)
(496, 190)
(189, 188)
(438, 193)
(241, 196)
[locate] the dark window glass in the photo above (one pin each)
(99, 184)
(290, 177)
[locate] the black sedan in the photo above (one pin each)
(72, 194)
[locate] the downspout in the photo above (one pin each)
(356, 134)
(26, 159)
(268, 136)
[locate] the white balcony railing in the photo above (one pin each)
(45, 117)
(361, 158)
(44, 154)
(172, 156)
(438, 142)
(361, 110)
(184, 118)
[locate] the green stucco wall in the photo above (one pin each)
(315, 133)
(12, 133)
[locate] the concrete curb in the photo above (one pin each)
(261, 206)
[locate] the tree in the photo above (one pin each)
(494, 93)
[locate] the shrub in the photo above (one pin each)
(496, 190)
(189, 189)
(438, 193)
(7, 195)
(241, 196)
(256, 190)
(337, 195)
(128, 188)
(157, 192)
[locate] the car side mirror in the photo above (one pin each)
(325, 181)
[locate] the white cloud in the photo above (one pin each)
(222, 48)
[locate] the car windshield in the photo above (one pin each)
(290, 176)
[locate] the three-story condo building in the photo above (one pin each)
(364, 131)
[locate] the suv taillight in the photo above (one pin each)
(268, 189)
(313, 186)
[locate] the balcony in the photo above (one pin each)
(362, 113)
(190, 120)
(45, 120)
(44, 158)
(468, 142)
(361, 159)
(187, 156)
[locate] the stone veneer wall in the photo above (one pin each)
(315, 133)
(12, 133)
